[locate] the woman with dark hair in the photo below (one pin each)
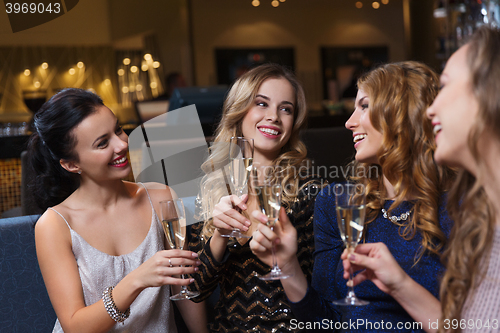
(466, 120)
(405, 204)
(100, 244)
(266, 104)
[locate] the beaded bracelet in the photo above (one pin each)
(111, 308)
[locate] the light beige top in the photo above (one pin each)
(151, 310)
(482, 308)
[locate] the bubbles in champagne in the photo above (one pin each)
(351, 220)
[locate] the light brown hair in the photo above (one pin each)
(466, 258)
(400, 94)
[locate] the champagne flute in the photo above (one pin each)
(173, 220)
(350, 199)
(240, 165)
(266, 186)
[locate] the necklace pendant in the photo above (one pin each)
(395, 219)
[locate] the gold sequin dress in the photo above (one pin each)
(246, 303)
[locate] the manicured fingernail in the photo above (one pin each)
(247, 223)
(198, 262)
(349, 284)
(191, 280)
(195, 255)
(196, 269)
(352, 258)
(243, 206)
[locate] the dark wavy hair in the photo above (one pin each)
(53, 140)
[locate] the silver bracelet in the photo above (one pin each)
(109, 304)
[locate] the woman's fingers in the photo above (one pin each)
(178, 254)
(367, 248)
(267, 232)
(284, 220)
(259, 216)
(177, 281)
(178, 270)
(227, 217)
(230, 220)
(239, 202)
(237, 216)
(170, 258)
(263, 241)
(348, 265)
(360, 277)
(181, 262)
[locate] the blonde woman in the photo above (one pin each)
(266, 104)
(466, 119)
(405, 205)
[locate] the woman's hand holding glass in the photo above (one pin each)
(162, 268)
(240, 165)
(173, 220)
(227, 214)
(375, 263)
(266, 190)
(284, 237)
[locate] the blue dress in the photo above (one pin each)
(316, 312)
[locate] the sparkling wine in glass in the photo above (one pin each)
(173, 220)
(240, 166)
(350, 199)
(266, 187)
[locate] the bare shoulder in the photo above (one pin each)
(51, 224)
(57, 263)
(52, 238)
(159, 192)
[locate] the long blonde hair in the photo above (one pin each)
(400, 94)
(239, 100)
(471, 240)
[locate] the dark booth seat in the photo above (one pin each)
(24, 303)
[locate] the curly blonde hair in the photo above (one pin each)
(466, 257)
(240, 99)
(400, 94)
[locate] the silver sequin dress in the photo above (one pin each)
(151, 311)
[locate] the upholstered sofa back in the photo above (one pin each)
(24, 303)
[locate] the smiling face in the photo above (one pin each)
(453, 113)
(367, 140)
(269, 121)
(101, 147)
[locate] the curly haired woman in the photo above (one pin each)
(466, 119)
(405, 203)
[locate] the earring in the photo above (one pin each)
(79, 172)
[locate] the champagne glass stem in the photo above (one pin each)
(350, 284)
(184, 289)
(273, 254)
